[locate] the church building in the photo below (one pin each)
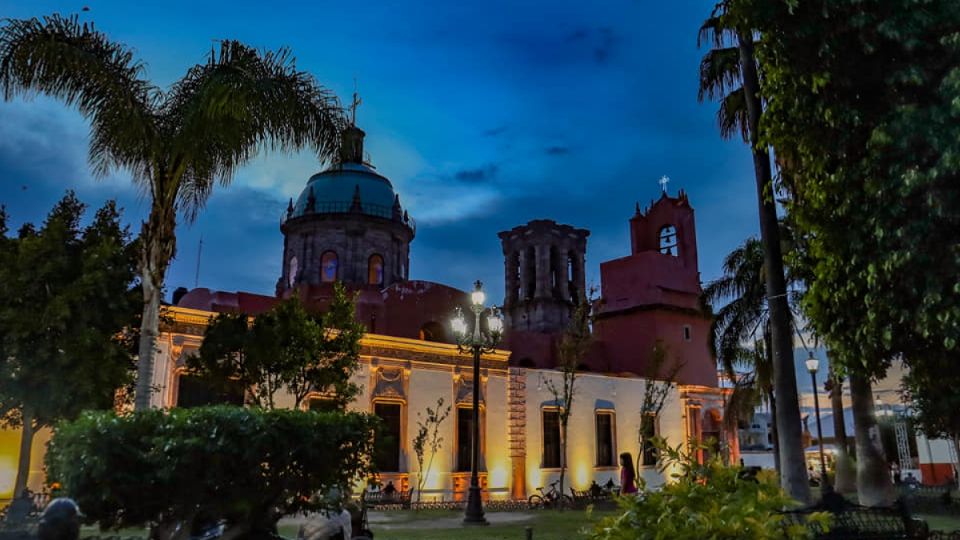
(349, 225)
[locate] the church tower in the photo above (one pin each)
(544, 275)
(652, 296)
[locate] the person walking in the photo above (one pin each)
(628, 475)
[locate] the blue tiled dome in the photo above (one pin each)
(333, 191)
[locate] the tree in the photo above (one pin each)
(659, 381)
(57, 355)
(729, 63)
(177, 144)
(247, 467)
(935, 400)
(861, 109)
(285, 348)
(428, 437)
(573, 347)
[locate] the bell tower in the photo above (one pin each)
(543, 274)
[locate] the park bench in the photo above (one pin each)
(862, 523)
(582, 498)
(381, 499)
(930, 499)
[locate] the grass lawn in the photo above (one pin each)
(941, 523)
(445, 525)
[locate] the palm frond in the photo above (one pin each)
(239, 102)
(719, 73)
(732, 115)
(60, 57)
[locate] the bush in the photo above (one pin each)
(704, 501)
(161, 469)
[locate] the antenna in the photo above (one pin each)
(196, 279)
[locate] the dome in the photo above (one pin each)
(333, 191)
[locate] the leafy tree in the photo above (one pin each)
(728, 72)
(428, 437)
(169, 470)
(177, 143)
(862, 111)
(574, 345)
(66, 306)
(933, 396)
(709, 500)
(660, 378)
(285, 348)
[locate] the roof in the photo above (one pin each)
(333, 191)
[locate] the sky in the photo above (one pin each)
(483, 114)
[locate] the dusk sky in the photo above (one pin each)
(484, 115)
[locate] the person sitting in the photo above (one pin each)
(389, 490)
(595, 489)
(911, 481)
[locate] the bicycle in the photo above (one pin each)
(550, 498)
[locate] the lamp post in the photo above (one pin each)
(812, 365)
(476, 342)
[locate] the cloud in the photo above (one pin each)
(557, 150)
(482, 174)
(494, 132)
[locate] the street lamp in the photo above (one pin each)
(812, 365)
(476, 342)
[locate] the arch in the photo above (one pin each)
(668, 240)
(433, 331)
(375, 269)
(529, 273)
(329, 267)
(526, 362)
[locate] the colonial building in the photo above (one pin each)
(349, 226)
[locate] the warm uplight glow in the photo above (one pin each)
(432, 480)
(581, 474)
(8, 475)
(498, 476)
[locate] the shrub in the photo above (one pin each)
(161, 469)
(701, 501)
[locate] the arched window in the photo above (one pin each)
(668, 240)
(292, 270)
(375, 270)
(433, 331)
(328, 267)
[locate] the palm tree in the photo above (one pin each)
(739, 321)
(728, 72)
(176, 143)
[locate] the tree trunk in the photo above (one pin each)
(563, 462)
(158, 247)
(26, 445)
(874, 486)
(793, 473)
(775, 433)
(845, 478)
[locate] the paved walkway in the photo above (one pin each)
(408, 519)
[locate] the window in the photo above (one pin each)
(321, 404)
(292, 270)
(375, 270)
(551, 439)
(194, 391)
(605, 436)
(433, 331)
(686, 332)
(464, 438)
(648, 430)
(387, 446)
(328, 267)
(668, 240)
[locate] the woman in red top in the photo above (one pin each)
(628, 475)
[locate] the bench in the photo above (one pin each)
(862, 523)
(584, 497)
(930, 499)
(381, 499)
